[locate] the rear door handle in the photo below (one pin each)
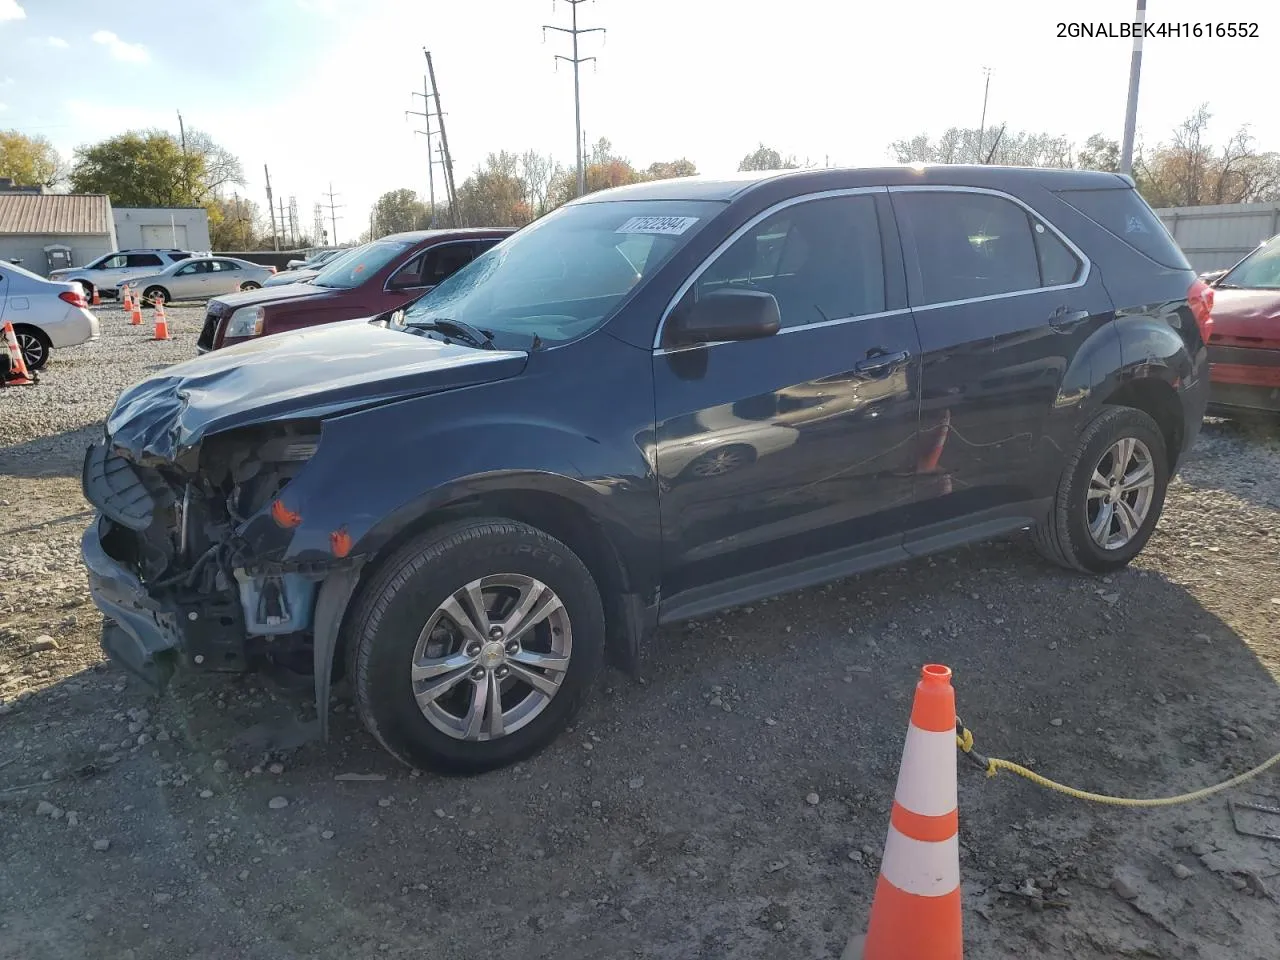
(881, 362)
(1064, 319)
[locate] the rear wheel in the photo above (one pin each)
(87, 288)
(35, 346)
(250, 285)
(474, 646)
(1110, 496)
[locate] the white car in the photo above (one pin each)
(315, 261)
(106, 273)
(45, 313)
(199, 278)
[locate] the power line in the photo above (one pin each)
(575, 31)
(333, 217)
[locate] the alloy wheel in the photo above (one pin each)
(1121, 490)
(491, 657)
(32, 349)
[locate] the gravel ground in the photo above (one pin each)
(732, 804)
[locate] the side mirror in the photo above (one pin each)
(725, 315)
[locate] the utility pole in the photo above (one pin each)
(295, 230)
(333, 219)
(426, 115)
(317, 218)
(982, 127)
(284, 235)
(450, 189)
(275, 238)
(1131, 105)
(577, 61)
(371, 236)
(186, 172)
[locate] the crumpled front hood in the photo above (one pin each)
(316, 372)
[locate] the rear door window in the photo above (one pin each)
(1125, 215)
(144, 260)
(967, 245)
(441, 262)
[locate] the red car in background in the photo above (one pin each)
(383, 275)
(1244, 344)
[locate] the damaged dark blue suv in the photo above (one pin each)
(656, 402)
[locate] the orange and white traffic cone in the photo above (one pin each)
(126, 301)
(162, 321)
(929, 462)
(96, 300)
(916, 910)
(135, 312)
(19, 375)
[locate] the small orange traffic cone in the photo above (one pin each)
(96, 301)
(127, 300)
(135, 311)
(929, 462)
(916, 910)
(19, 375)
(162, 321)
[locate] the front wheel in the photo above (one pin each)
(250, 285)
(475, 645)
(152, 295)
(1110, 496)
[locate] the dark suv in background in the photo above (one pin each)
(388, 273)
(654, 403)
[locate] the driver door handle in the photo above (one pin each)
(879, 362)
(1064, 319)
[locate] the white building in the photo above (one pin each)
(186, 228)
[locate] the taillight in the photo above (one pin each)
(74, 297)
(1200, 297)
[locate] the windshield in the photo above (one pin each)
(364, 262)
(564, 275)
(1259, 270)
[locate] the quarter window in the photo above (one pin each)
(821, 259)
(968, 245)
(1058, 265)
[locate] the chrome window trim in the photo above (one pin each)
(386, 287)
(900, 312)
(1086, 270)
(737, 235)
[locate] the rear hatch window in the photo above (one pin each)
(1125, 215)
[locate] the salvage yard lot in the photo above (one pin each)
(677, 819)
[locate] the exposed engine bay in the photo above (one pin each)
(179, 528)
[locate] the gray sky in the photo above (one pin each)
(318, 88)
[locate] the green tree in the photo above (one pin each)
(767, 158)
(29, 161)
(399, 210)
(149, 168)
(604, 169)
(1099, 153)
(237, 224)
(667, 170)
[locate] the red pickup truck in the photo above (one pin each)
(382, 275)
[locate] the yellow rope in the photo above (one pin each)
(993, 765)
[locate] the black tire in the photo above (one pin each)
(87, 287)
(152, 293)
(393, 608)
(250, 285)
(1064, 537)
(35, 345)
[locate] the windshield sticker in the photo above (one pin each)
(668, 226)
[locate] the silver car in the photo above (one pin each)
(200, 278)
(44, 313)
(315, 261)
(307, 274)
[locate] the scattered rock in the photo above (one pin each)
(163, 897)
(776, 866)
(243, 875)
(42, 643)
(276, 768)
(812, 799)
(1245, 731)
(278, 803)
(1182, 871)
(220, 766)
(1055, 722)
(1160, 698)
(102, 844)
(206, 794)
(326, 835)
(635, 783)
(440, 813)
(73, 818)
(855, 856)
(1124, 889)
(46, 809)
(384, 802)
